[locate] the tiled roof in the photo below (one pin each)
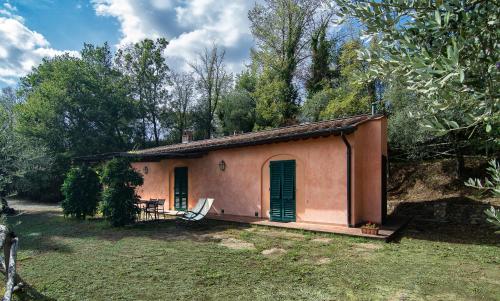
(306, 130)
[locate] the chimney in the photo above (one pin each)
(374, 108)
(187, 136)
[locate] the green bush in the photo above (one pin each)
(119, 198)
(81, 189)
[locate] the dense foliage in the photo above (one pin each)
(282, 30)
(24, 165)
(118, 198)
(75, 107)
(81, 190)
(446, 53)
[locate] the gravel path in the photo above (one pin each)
(30, 206)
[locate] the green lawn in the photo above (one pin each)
(66, 259)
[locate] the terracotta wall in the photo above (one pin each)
(243, 188)
(370, 143)
(155, 185)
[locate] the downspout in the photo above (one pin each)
(349, 189)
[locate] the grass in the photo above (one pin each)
(65, 259)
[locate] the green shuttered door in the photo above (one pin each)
(282, 191)
(180, 188)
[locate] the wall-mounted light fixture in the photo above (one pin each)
(222, 165)
(146, 170)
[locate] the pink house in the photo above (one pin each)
(329, 173)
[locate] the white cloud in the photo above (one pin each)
(21, 48)
(8, 10)
(189, 25)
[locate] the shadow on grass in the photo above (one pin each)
(43, 232)
(29, 293)
(46, 231)
(449, 232)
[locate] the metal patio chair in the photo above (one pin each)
(151, 209)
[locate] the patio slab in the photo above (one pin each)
(386, 232)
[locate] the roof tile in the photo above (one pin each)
(305, 130)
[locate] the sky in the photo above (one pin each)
(33, 29)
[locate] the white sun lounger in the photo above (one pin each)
(198, 212)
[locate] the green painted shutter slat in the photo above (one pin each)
(288, 191)
(275, 191)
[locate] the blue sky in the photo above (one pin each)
(33, 29)
(67, 24)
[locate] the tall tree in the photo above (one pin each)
(20, 159)
(148, 75)
(270, 108)
(77, 106)
(183, 97)
(350, 97)
(324, 61)
(74, 107)
(237, 109)
(8, 158)
(282, 30)
(213, 82)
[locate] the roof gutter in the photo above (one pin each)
(348, 179)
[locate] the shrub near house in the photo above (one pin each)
(81, 190)
(119, 198)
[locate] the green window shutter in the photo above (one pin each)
(288, 187)
(282, 191)
(275, 207)
(180, 188)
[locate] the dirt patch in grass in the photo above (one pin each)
(323, 260)
(322, 240)
(236, 244)
(400, 296)
(367, 246)
(215, 236)
(273, 252)
(365, 250)
(281, 234)
(226, 240)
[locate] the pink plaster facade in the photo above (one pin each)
(321, 177)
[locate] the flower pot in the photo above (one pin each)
(372, 231)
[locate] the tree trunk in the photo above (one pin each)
(9, 243)
(155, 129)
(143, 132)
(11, 267)
(459, 159)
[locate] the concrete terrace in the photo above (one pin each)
(386, 232)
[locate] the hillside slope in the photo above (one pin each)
(430, 191)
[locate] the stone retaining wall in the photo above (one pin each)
(452, 210)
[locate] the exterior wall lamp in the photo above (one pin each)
(146, 170)
(222, 165)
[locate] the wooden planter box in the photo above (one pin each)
(372, 231)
